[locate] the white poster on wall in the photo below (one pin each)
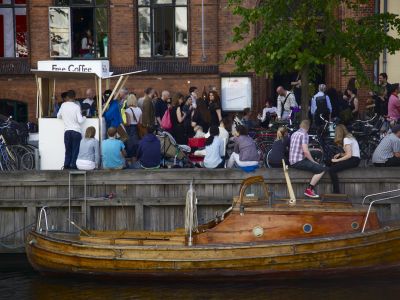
(236, 93)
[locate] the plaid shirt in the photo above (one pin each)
(297, 140)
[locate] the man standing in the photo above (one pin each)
(387, 154)
(89, 104)
(394, 103)
(71, 115)
(286, 100)
(381, 98)
(148, 115)
(300, 157)
(193, 92)
(161, 106)
(321, 105)
(149, 92)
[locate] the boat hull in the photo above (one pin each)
(330, 255)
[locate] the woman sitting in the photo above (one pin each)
(245, 151)
(280, 149)
(343, 161)
(88, 157)
(214, 150)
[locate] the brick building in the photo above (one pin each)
(181, 43)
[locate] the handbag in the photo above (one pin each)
(141, 130)
(123, 135)
(166, 123)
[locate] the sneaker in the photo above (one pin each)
(310, 193)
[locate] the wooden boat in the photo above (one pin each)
(254, 237)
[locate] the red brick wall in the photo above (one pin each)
(123, 52)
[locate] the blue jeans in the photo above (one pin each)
(72, 140)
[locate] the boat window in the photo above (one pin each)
(307, 228)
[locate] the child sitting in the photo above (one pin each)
(199, 132)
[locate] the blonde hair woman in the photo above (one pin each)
(89, 156)
(280, 149)
(133, 118)
(343, 161)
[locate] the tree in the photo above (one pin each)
(300, 35)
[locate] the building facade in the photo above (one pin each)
(181, 43)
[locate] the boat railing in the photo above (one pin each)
(378, 200)
(247, 183)
(42, 212)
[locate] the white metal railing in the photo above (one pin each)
(377, 200)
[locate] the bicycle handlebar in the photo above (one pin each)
(326, 121)
(366, 121)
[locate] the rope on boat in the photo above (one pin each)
(191, 222)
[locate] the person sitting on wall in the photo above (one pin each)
(300, 157)
(246, 119)
(113, 151)
(89, 156)
(71, 115)
(149, 151)
(215, 150)
(387, 154)
(280, 149)
(245, 151)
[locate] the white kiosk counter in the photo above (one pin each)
(51, 130)
(51, 141)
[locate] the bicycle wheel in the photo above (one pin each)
(263, 148)
(27, 161)
(317, 154)
(266, 161)
(9, 159)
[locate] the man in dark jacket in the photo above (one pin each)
(149, 152)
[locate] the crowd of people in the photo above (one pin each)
(132, 125)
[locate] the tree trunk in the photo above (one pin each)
(305, 95)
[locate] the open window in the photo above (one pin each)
(79, 29)
(13, 28)
(163, 30)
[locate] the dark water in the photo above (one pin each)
(19, 281)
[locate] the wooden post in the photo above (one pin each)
(292, 197)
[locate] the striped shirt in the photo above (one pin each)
(386, 149)
(297, 140)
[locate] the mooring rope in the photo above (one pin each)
(191, 222)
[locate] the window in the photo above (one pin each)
(13, 28)
(79, 29)
(17, 109)
(163, 28)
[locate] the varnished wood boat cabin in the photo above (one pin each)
(254, 236)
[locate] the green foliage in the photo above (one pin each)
(299, 35)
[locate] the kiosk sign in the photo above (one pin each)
(99, 67)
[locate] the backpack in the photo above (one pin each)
(322, 107)
(166, 123)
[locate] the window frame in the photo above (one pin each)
(13, 6)
(151, 6)
(94, 6)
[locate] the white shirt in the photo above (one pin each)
(138, 114)
(70, 113)
(223, 135)
(214, 152)
(290, 102)
(270, 110)
(355, 149)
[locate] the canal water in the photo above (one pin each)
(19, 281)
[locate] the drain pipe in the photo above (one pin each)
(385, 10)
(376, 63)
(203, 54)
